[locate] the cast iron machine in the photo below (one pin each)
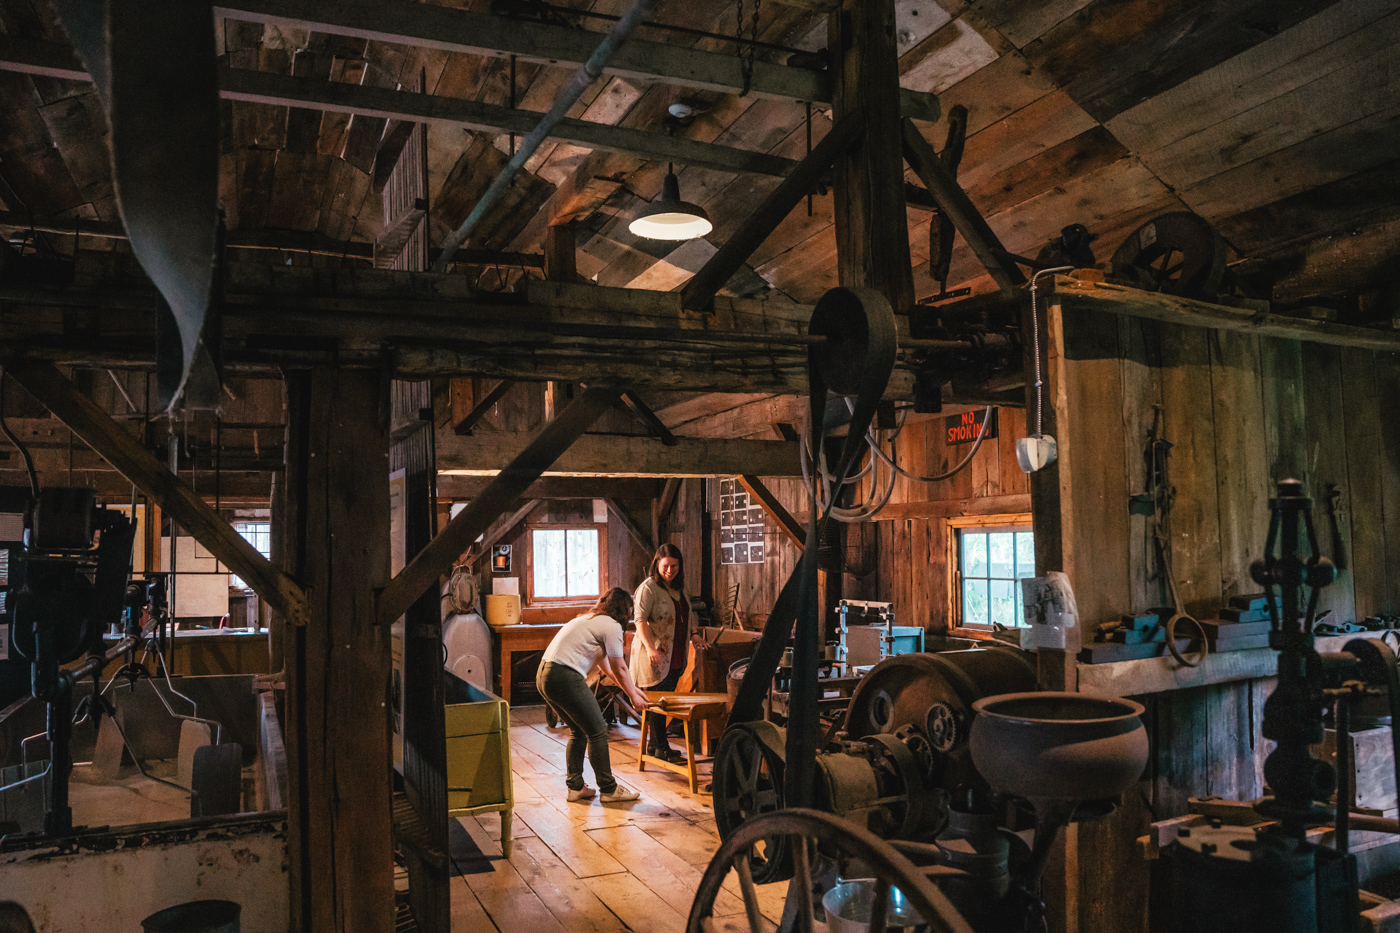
(67, 563)
(1273, 876)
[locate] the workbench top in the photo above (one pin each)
(1159, 675)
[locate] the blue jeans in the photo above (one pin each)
(569, 694)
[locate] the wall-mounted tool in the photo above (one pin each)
(1272, 876)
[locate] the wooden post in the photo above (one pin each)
(339, 840)
(560, 265)
(872, 232)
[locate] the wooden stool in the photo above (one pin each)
(689, 708)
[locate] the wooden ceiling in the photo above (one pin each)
(1276, 120)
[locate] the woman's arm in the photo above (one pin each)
(617, 670)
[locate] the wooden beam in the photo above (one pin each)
(339, 664)
(661, 505)
(287, 241)
(700, 291)
(619, 455)
(464, 427)
(526, 466)
(648, 418)
(872, 226)
(105, 436)
(788, 525)
(457, 30)
(499, 531)
(286, 91)
(668, 497)
(958, 208)
(439, 325)
(633, 529)
(555, 487)
(1119, 299)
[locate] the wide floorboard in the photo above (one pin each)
(590, 867)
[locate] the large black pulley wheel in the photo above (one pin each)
(803, 831)
(748, 783)
(1176, 254)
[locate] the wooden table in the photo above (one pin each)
(512, 638)
(689, 708)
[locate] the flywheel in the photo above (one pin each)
(748, 782)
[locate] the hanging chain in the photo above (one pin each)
(746, 49)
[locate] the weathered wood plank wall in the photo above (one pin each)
(1242, 412)
(906, 548)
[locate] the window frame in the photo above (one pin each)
(243, 584)
(528, 563)
(1019, 522)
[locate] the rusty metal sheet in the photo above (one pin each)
(154, 65)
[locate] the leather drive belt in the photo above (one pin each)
(856, 359)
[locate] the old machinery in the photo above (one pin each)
(1060, 751)
(67, 563)
(900, 766)
(1271, 876)
(1176, 254)
(866, 634)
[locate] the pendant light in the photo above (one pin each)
(670, 218)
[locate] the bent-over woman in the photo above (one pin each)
(659, 649)
(594, 638)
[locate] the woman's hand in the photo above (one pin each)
(656, 655)
(698, 640)
(639, 700)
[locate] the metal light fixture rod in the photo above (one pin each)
(587, 73)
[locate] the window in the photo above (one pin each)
(564, 564)
(258, 534)
(991, 562)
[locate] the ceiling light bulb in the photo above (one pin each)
(670, 218)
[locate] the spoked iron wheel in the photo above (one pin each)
(1179, 253)
(748, 782)
(803, 831)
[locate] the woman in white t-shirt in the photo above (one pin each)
(594, 638)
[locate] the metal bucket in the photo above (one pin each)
(849, 904)
(195, 917)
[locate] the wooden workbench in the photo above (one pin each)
(509, 639)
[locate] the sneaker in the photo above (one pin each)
(583, 793)
(620, 794)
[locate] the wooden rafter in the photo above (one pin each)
(456, 30)
(700, 291)
(958, 208)
(422, 573)
(614, 455)
(105, 436)
(788, 525)
(633, 529)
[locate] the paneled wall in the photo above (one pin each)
(905, 550)
(1241, 412)
(913, 569)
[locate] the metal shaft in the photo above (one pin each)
(587, 73)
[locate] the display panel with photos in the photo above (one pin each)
(741, 525)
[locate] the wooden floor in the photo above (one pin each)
(589, 867)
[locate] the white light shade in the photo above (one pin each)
(672, 225)
(670, 218)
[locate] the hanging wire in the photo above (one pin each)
(1035, 343)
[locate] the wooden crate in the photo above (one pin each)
(478, 754)
(1371, 758)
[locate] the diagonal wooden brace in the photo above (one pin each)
(700, 292)
(105, 436)
(452, 542)
(958, 207)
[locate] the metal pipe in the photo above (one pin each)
(587, 73)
